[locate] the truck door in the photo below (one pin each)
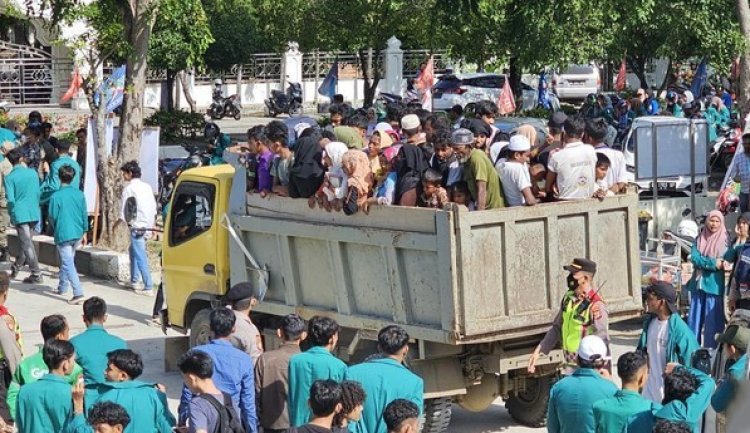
(191, 245)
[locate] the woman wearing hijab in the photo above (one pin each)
(349, 136)
(378, 142)
(409, 165)
(334, 187)
(707, 283)
(356, 167)
(529, 132)
(307, 172)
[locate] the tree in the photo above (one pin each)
(743, 14)
(180, 38)
(233, 25)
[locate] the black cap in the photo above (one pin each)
(478, 126)
(581, 264)
(666, 291)
(239, 292)
(557, 120)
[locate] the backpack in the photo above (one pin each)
(228, 421)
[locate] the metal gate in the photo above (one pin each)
(25, 74)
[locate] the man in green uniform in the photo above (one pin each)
(612, 414)
(735, 339)
(147, 406)
(46, 405)
(93, 345)
(316, 363)
(70, 220)
(5, 168)
(53, 182)
(33, 368)
(572, 399)
(385, 379)
(479, 173)
(22, 195)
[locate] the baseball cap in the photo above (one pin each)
(410, 121)
(239, 291)
(519, 143)
(557, 120)
(666, 291)
(462, 137)
(592, 348)
(581, 264)
(735, 335)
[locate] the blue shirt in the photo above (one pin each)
(742, 169)
(724, 393)
(22, 195)
(234, 375)
(68, 214)
(571, 401)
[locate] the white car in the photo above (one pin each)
(464, 89)
(576, 82)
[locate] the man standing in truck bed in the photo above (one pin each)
(582, 312)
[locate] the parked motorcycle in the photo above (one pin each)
(725, 146)
(171, 168)
(289, 102)
(221, 106)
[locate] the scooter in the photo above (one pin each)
(686, 233)
(222, 106)
(289, 102)
(724, 148)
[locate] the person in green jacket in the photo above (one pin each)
(571, 400)
(22, 196)
(385, 379)
(687, 394)
(69, 218)
(46, 405)
(612, 414)
(735, 340)
(33, 368)
(144, 402)
(664, 324)
(316, 363)
(104, 417)
(93, 345)
(53, 182)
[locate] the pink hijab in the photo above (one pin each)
(713, 244)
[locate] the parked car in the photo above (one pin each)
(464, 89)
(576, 82)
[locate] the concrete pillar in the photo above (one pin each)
(394, 66)
(291, 63)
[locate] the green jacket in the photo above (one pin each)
(571, 401)
(68, 214)
(681, 344)
(52, 182)
(383, 380)
(611, 415)
(29, 371)
(45, 405)
(316, 363)
(92, 347)
(724, 394)
(22, 195)
(712, 281)
(689, 411)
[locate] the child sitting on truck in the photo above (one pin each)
(385, 188)
(602, 167)
(433, 195)
(462, 197)
(356, 167)
(334, 186)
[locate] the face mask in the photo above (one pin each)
(572, 282)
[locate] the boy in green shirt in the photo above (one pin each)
(33, 368)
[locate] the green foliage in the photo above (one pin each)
(234, 26)
(176, 125)
(180, 36)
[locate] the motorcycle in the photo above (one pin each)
(289, 102)
(724, 148)
(686, 233)
(222, 106)
(171, 168)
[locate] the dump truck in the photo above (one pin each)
(476, 291)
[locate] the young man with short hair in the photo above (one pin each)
(612, 414)
(246, 336)
(22, 194)
(596, 132)
(479, 173)
(93, 345)
(46, 405)
(386, 379)
(735, 340)
(316, 363)
(444, 159)
(665, 426)
(108, 417)
(69, 218)
(514, 173)
(325, 403)
(258, 144)
(232, 371)
(208, 401)
(33, 368)
(52, 182)
(401, 416)
(278, 138)
(570, 172)
(272, 376)
(139, 212)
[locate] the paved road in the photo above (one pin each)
(126, 318)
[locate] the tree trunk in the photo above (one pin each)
(182, 76)
(743, 14)
(371, 81)
(170, 89)
(514, 74)
(667, 77)
(638, 65)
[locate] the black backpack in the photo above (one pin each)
(228, 421)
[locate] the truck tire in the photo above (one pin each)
(437, 415)
(200, 328)
(530, 406)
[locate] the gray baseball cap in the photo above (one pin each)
(462, 137)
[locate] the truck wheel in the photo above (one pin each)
(437, 415)
(530, 406)
(200, 328)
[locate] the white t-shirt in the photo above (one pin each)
(656, 345)
(574, 165)
(617, 172)
(145, 203)
(514, 177)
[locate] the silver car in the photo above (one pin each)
(576, 82)
(464, 89)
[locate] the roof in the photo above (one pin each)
(221, 171)
(662, 120)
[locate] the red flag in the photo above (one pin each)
(507, 102)
(75, 84)
(621, 76)
(424, 83)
